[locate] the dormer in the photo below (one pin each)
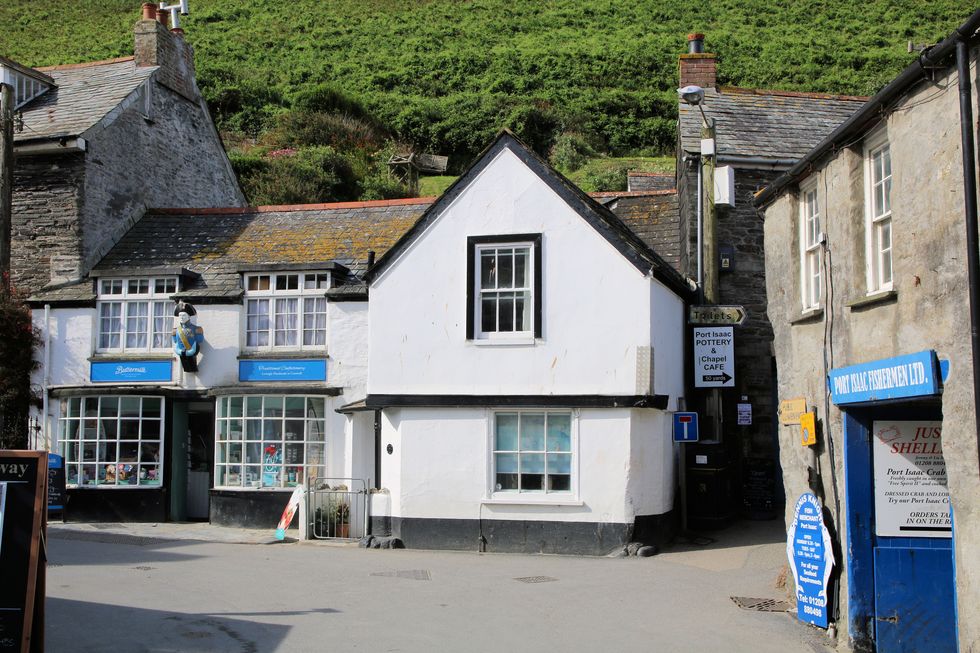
(26, 82)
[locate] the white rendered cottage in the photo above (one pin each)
(526, 353)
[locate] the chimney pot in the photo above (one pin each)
(149, 11)
(163, 17)
(695, 43)
(370, 259)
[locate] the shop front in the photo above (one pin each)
(901, 589)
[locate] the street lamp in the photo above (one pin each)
(693, 95)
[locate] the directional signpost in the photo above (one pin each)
(710, 315)
(714, 357)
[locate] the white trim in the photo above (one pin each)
(528, 497)
(874, 144)
(810, 248)
(524, 336)
(272, 295)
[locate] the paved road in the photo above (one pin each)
(134, 588)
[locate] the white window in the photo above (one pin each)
(112, 441)
(135, 314)
(286, 310)
(532, 452)
(504, 292)
(878, 187)
(269, 441)
(810, 247)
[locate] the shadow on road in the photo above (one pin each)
(740, 534)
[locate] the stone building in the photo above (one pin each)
(868, 279)
(98, 143)
(758, 135)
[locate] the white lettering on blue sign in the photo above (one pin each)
(904, 376)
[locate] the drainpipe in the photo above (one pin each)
(970, 198)
(46, 377)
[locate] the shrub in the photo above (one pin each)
(17, 362)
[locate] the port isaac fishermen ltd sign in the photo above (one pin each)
(911, 497)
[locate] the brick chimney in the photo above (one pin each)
(698, 67)
(158, 46)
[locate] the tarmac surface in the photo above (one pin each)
(197, 587)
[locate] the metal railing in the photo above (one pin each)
(337, 508)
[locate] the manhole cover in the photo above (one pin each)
(761, 605)
(107, 538)
(144, 568)
(411, 574)
(535, 579)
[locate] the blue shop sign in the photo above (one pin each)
(131, 371)
(282, 370)
(811, 559)
(912, 375)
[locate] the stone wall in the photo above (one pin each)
(45, 231)
(929, 311)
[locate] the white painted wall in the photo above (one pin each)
(441, 467)
(667, 325)
(596, 305)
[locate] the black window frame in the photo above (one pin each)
(504, 239)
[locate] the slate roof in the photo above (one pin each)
(654, 216)
(218, 244)
(84, 95)
(770, 124)
(640, 181)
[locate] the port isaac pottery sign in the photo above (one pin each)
(911, 498)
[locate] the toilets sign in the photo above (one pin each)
(714, 357)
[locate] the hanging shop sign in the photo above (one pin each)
(714, 357)
(131, 371)
(911, 497)
(282, 370)
(22, 519)
(912, 375)
(811, 559)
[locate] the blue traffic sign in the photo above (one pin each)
(685, 427)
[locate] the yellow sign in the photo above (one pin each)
(790, 410)
(808, 429)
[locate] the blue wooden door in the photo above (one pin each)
(914, 604)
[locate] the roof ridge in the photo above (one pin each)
(279, 208)
(799, 94)
(87, 64)
(634, 193)
(638, 173)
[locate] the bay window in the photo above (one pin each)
(112, 441)
(272, 441)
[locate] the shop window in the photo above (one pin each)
(286, 311)
(112, 441)
(532, 452)
(135, 315)
(269, 441)
(878, 189)
(504, 294)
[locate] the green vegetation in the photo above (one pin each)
(576, 79)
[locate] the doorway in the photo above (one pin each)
(200, 460)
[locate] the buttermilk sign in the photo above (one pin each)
(912, 375)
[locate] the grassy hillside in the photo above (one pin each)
(574, 78)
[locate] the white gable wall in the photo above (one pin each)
(596, 304)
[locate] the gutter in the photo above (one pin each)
(870, 113)
(764, 162)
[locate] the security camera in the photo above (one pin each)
(693, 95)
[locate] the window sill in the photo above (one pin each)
(504, 342)
(531, 500)
(130, 356)
(874, 299)
(280, 355)
(808, 317)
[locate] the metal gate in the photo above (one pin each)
(337, 508)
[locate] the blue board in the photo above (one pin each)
(685, 427)
(811, 559)
(282, 370)
(155, 371)
(912, 375)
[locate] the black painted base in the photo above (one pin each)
(248, 509)
(116, 505)
(518, 536)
